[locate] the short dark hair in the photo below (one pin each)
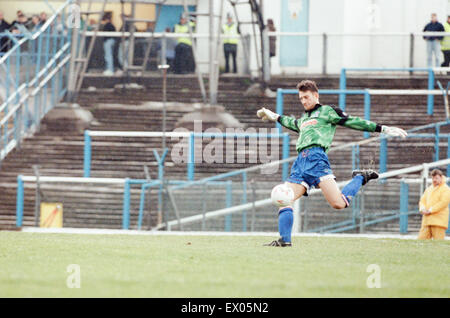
(307, 85)
(436, 172)
(107, 16)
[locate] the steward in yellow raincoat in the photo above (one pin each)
(434, 208)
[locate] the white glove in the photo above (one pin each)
(266, 115)
(393, 131)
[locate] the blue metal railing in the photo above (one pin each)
(437, 136)
(127, 182)
(30, 70)
(127, 186)
(343, 82)
(191, 148)
(191, 171)
(157, 183)
(384, 139)
(402, 214)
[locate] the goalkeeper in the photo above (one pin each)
(316, 130)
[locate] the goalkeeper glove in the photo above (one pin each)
(266, 115)
(393, 131)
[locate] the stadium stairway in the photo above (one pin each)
(58, 148)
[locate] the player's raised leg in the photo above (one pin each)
(299, 189)
(286, 216)
(341, 199)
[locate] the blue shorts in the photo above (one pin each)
(310, 168)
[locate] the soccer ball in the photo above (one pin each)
(282, 195)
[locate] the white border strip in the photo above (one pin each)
(195, 233)
(74, 179)
(405, 91)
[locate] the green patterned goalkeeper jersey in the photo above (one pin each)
(317, 126)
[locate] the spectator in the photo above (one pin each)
(4, 43)
(43, 18)
(108, 44)
(26, 22)
(170, 51)
(154, 43)
(23, 21)
(150, 27)
(184, 58)
(445, 44)
(230, 43)
(58, 26)
(18, 14)
(433, 46)
(272, 39)
(91, 25)
(434, 208)
(123, 49)
(171, 43)
(35, 23)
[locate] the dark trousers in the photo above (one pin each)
(171, 63)
(230, 49)
(446, 58)
(184, 59)
(4, 44)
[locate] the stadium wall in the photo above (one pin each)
(345, 16)
(324, 16)
(143, 11)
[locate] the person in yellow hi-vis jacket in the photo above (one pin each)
(230, 43)
(433, 206)
(184, 57)
(445, 44)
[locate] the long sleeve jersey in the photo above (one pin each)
(317, 126)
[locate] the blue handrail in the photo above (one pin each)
(128, 183)
(191, 149)
(401, 214)
(431, 79)
(437, 136)
(32, 66)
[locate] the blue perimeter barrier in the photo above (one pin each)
(343, 82)
(411, 134)
(191, 149)
(126, 198)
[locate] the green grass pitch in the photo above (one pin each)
(35, 265)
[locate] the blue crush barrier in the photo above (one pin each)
(191, 145)
(431, 80)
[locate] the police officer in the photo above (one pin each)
(445, 44)
(184, 58)
(230, 43)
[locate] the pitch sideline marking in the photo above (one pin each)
(196, 233)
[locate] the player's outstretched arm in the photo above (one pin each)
(285, 121)
(339, 117)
